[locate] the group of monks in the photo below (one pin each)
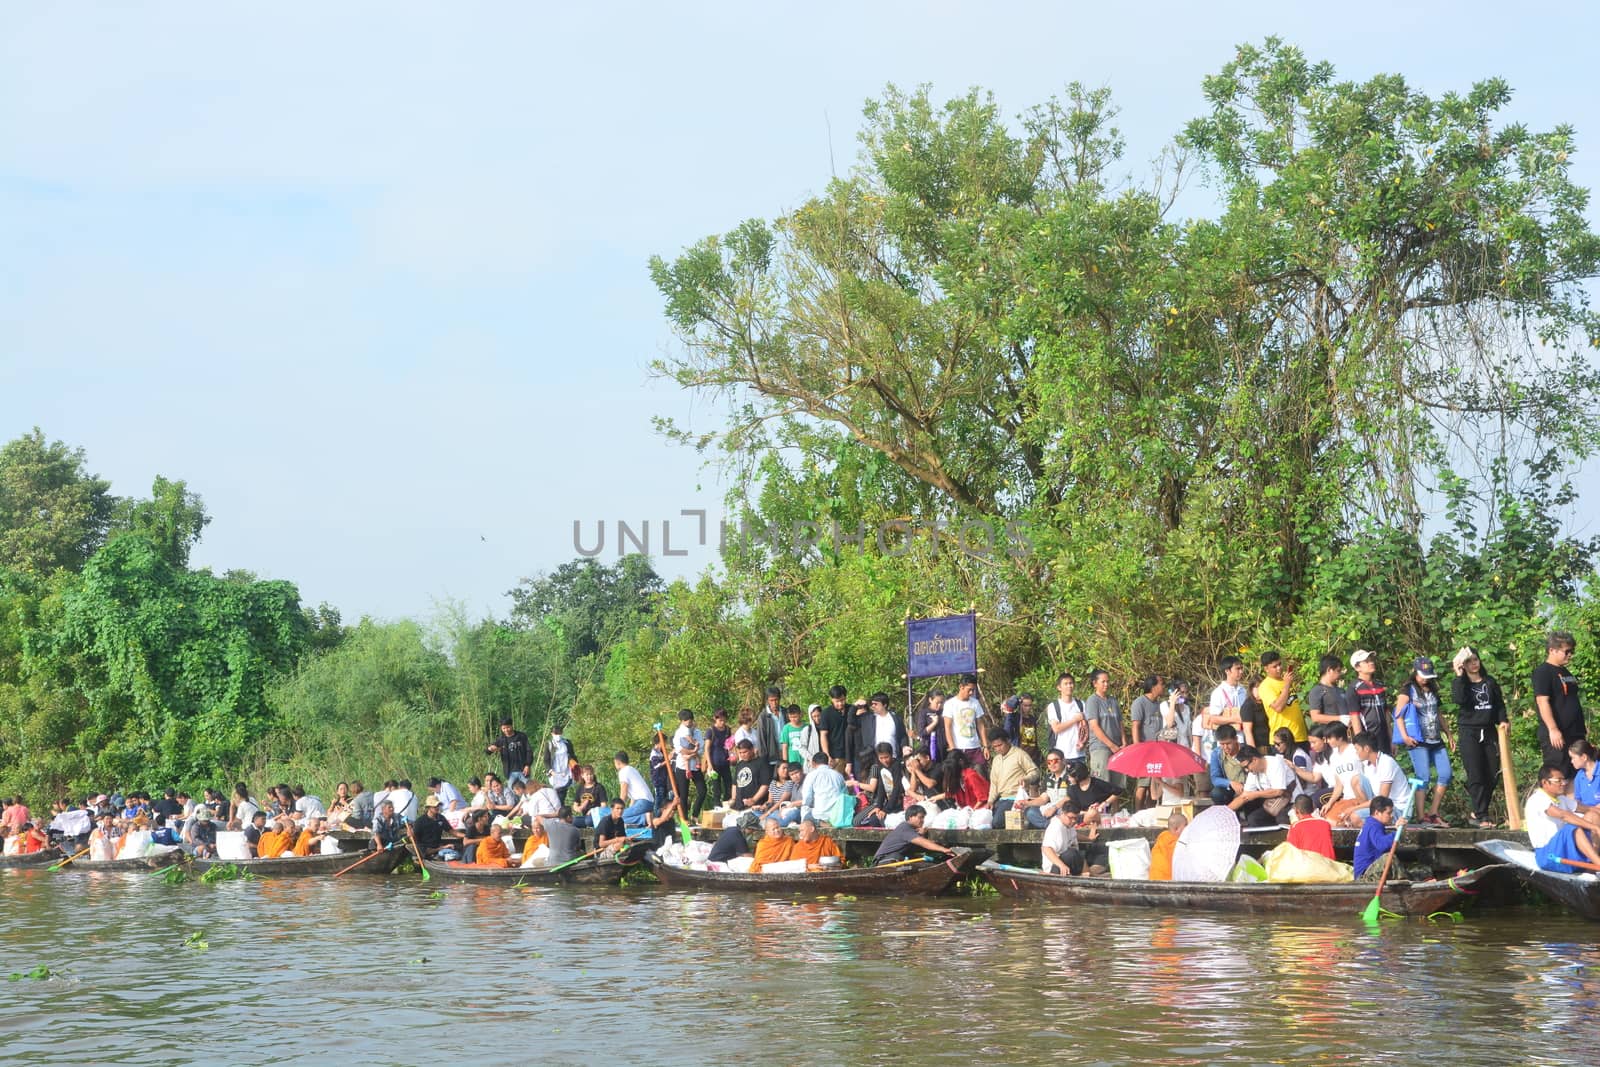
(775, 846)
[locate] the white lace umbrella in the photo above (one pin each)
(1207, 847)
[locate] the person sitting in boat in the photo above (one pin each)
(492, 850)
(813, 846)
(899, 842)
(278, 840)
(387, 830)
(774, 846)
(253, 832)
(1309, 830)
(1373, 843)
(612, 833)
(310, 838)
(1586, 777)
(730, 845)
(431, 827)
(1059, 852)
(1166, 844)
(563, 837)
(103, 840)
(200, 834)
(1265, 791)
(1555, 829)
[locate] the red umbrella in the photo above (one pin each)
(1156, 759)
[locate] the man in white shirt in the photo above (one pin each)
(821, 791)
(558, 760)
(1268, 781)
(1226, 700)
(1059, 849)
(1343, 773)
(1064, 716)
(688, 747)
(449, 796)
(637, 798)
(964, 728)
(539, 800)
(1555, 830)
(1383, 775)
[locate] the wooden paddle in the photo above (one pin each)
(1509, 778)
(56, 866)
(684, 830)
(426, 877)
(1582, 863)
(1374, 905)
(364, 859)
(575, 859)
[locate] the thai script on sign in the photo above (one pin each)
(947, 645)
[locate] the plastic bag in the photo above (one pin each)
(981, 819)
(1129, 859)
(1247, 870)
(1286, 863)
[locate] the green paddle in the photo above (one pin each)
(426, 877)
(1374, 906)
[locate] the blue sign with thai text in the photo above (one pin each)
(941, 646)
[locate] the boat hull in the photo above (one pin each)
(927, 878)
(308, 866)
(1575, 892)
(1262, 898)
(586, 872)
(42, 858)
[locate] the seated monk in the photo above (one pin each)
(276, 841)
(774, 846)
(311, 836)
(1308, 830)
(536, 837)
(812, 846)
(1161, 852)
(492, 850)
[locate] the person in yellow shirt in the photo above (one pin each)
(1278, 697)
(774, 847)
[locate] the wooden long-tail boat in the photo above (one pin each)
(924, 877)
(1579, 891)
(593, 871)
(307, 866)
(1265, 898)
(155, 861)
(43, 858)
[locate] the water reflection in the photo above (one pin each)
(381, 971)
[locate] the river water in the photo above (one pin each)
(383, 972)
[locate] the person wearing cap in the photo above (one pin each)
(1369, 699)
(431, 827)
(516, 754)
(200, 834)
(1419, 726)
(1480, 708)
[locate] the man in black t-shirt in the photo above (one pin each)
(1555, 692)
(612, 832)
(516, 755)
(1087, 795)
(835, 728)
(1370, 699)
(749, 778)
(168, 807)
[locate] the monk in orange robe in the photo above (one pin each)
(492, 850)
(774, 847)
(276, 841)
(1161, 852)
(812, 846)
(309, 838)
(536, 838)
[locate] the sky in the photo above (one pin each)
(372, 278)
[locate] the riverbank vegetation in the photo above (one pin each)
(1336, 404)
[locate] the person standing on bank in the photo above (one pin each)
(1104, 716)
(1419, 726)
(516, 755)
(1555, 693)
(559, 760)
(1480, 708)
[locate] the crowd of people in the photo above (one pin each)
(1274, 755)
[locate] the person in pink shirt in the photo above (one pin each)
(16, 814)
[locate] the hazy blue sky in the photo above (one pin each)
(371, 278)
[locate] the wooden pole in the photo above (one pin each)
(1509, 778)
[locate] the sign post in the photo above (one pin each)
(934, 647)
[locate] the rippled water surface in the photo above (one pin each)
(378, 971)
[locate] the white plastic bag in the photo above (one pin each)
(1129, 859)
(981, 819)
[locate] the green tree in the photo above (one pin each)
(53, 512)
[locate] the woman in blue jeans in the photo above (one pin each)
(1419, 727)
